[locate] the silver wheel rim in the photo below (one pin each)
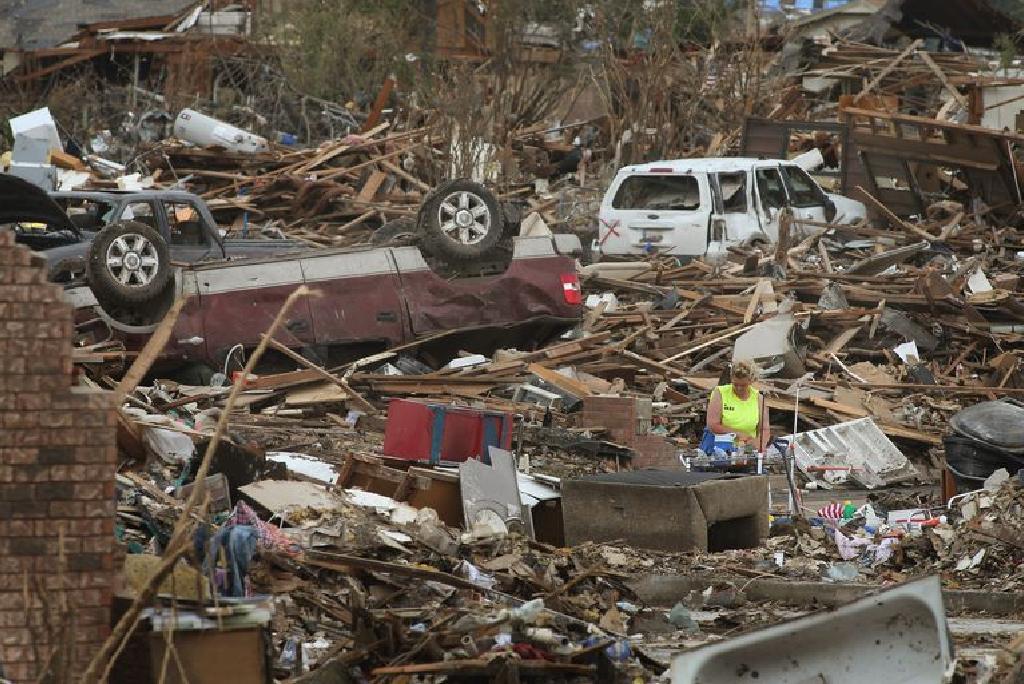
(464, 217)
(132, 260)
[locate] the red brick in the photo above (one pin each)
(29, 546)
(18, 456)
(55, 491)
(99, 508)
(67, 509)
(87, 491)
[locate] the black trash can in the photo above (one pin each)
(971, 462)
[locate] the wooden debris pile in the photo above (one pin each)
(333, 195)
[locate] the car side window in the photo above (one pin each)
(657, 192)
(803, 192)
(734, 192)
(185, 224)
(143, 212)
(87, 214)
(770, 188)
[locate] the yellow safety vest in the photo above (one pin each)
(740, 415)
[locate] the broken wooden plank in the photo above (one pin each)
(371, 187)
(562, 382)
(154, 346)
(298, 358)
(957, 95)
(909, 50)
(731, 332)
(483, 666)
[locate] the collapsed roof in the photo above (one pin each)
(976, 23)
(43, 24)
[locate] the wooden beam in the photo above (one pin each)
(82, 56)
(371, 187)
(299, 359)
(379, 103)
(562, 382)
(731, 332)
(891, 67)
(144, 361)
(136, 24)
(957, 95)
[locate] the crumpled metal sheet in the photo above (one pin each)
(873, 460)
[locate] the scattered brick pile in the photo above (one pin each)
(629, 424)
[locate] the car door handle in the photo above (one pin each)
(386, 317)
(653, 216)
(297, 326)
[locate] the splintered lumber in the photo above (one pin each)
(957, 95)
(430, 384)
(910, 49)
(343, 564)
(456, 667)
(154, 346)
(731, 332)
(564, 352)
(297, 358)
(562, 382)
(316, 394)
(370, 188)
(650, 364)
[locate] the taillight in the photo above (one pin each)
(571, 289)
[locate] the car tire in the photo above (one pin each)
(129, 263)
(401, 231)
(461, 221)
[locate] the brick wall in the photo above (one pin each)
(57, 457)
(620, 416)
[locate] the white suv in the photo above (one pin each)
(690, 207)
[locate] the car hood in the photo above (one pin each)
(21, 201)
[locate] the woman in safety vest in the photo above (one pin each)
(737, 408)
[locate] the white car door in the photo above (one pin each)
(806, 197)
(656, 211)
(734, 219)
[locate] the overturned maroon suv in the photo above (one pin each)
(370, 299)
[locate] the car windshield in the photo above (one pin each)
(666, 193)
(803, 191)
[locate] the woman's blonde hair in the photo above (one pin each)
(744, 370)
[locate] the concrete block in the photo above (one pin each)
(667, 509)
